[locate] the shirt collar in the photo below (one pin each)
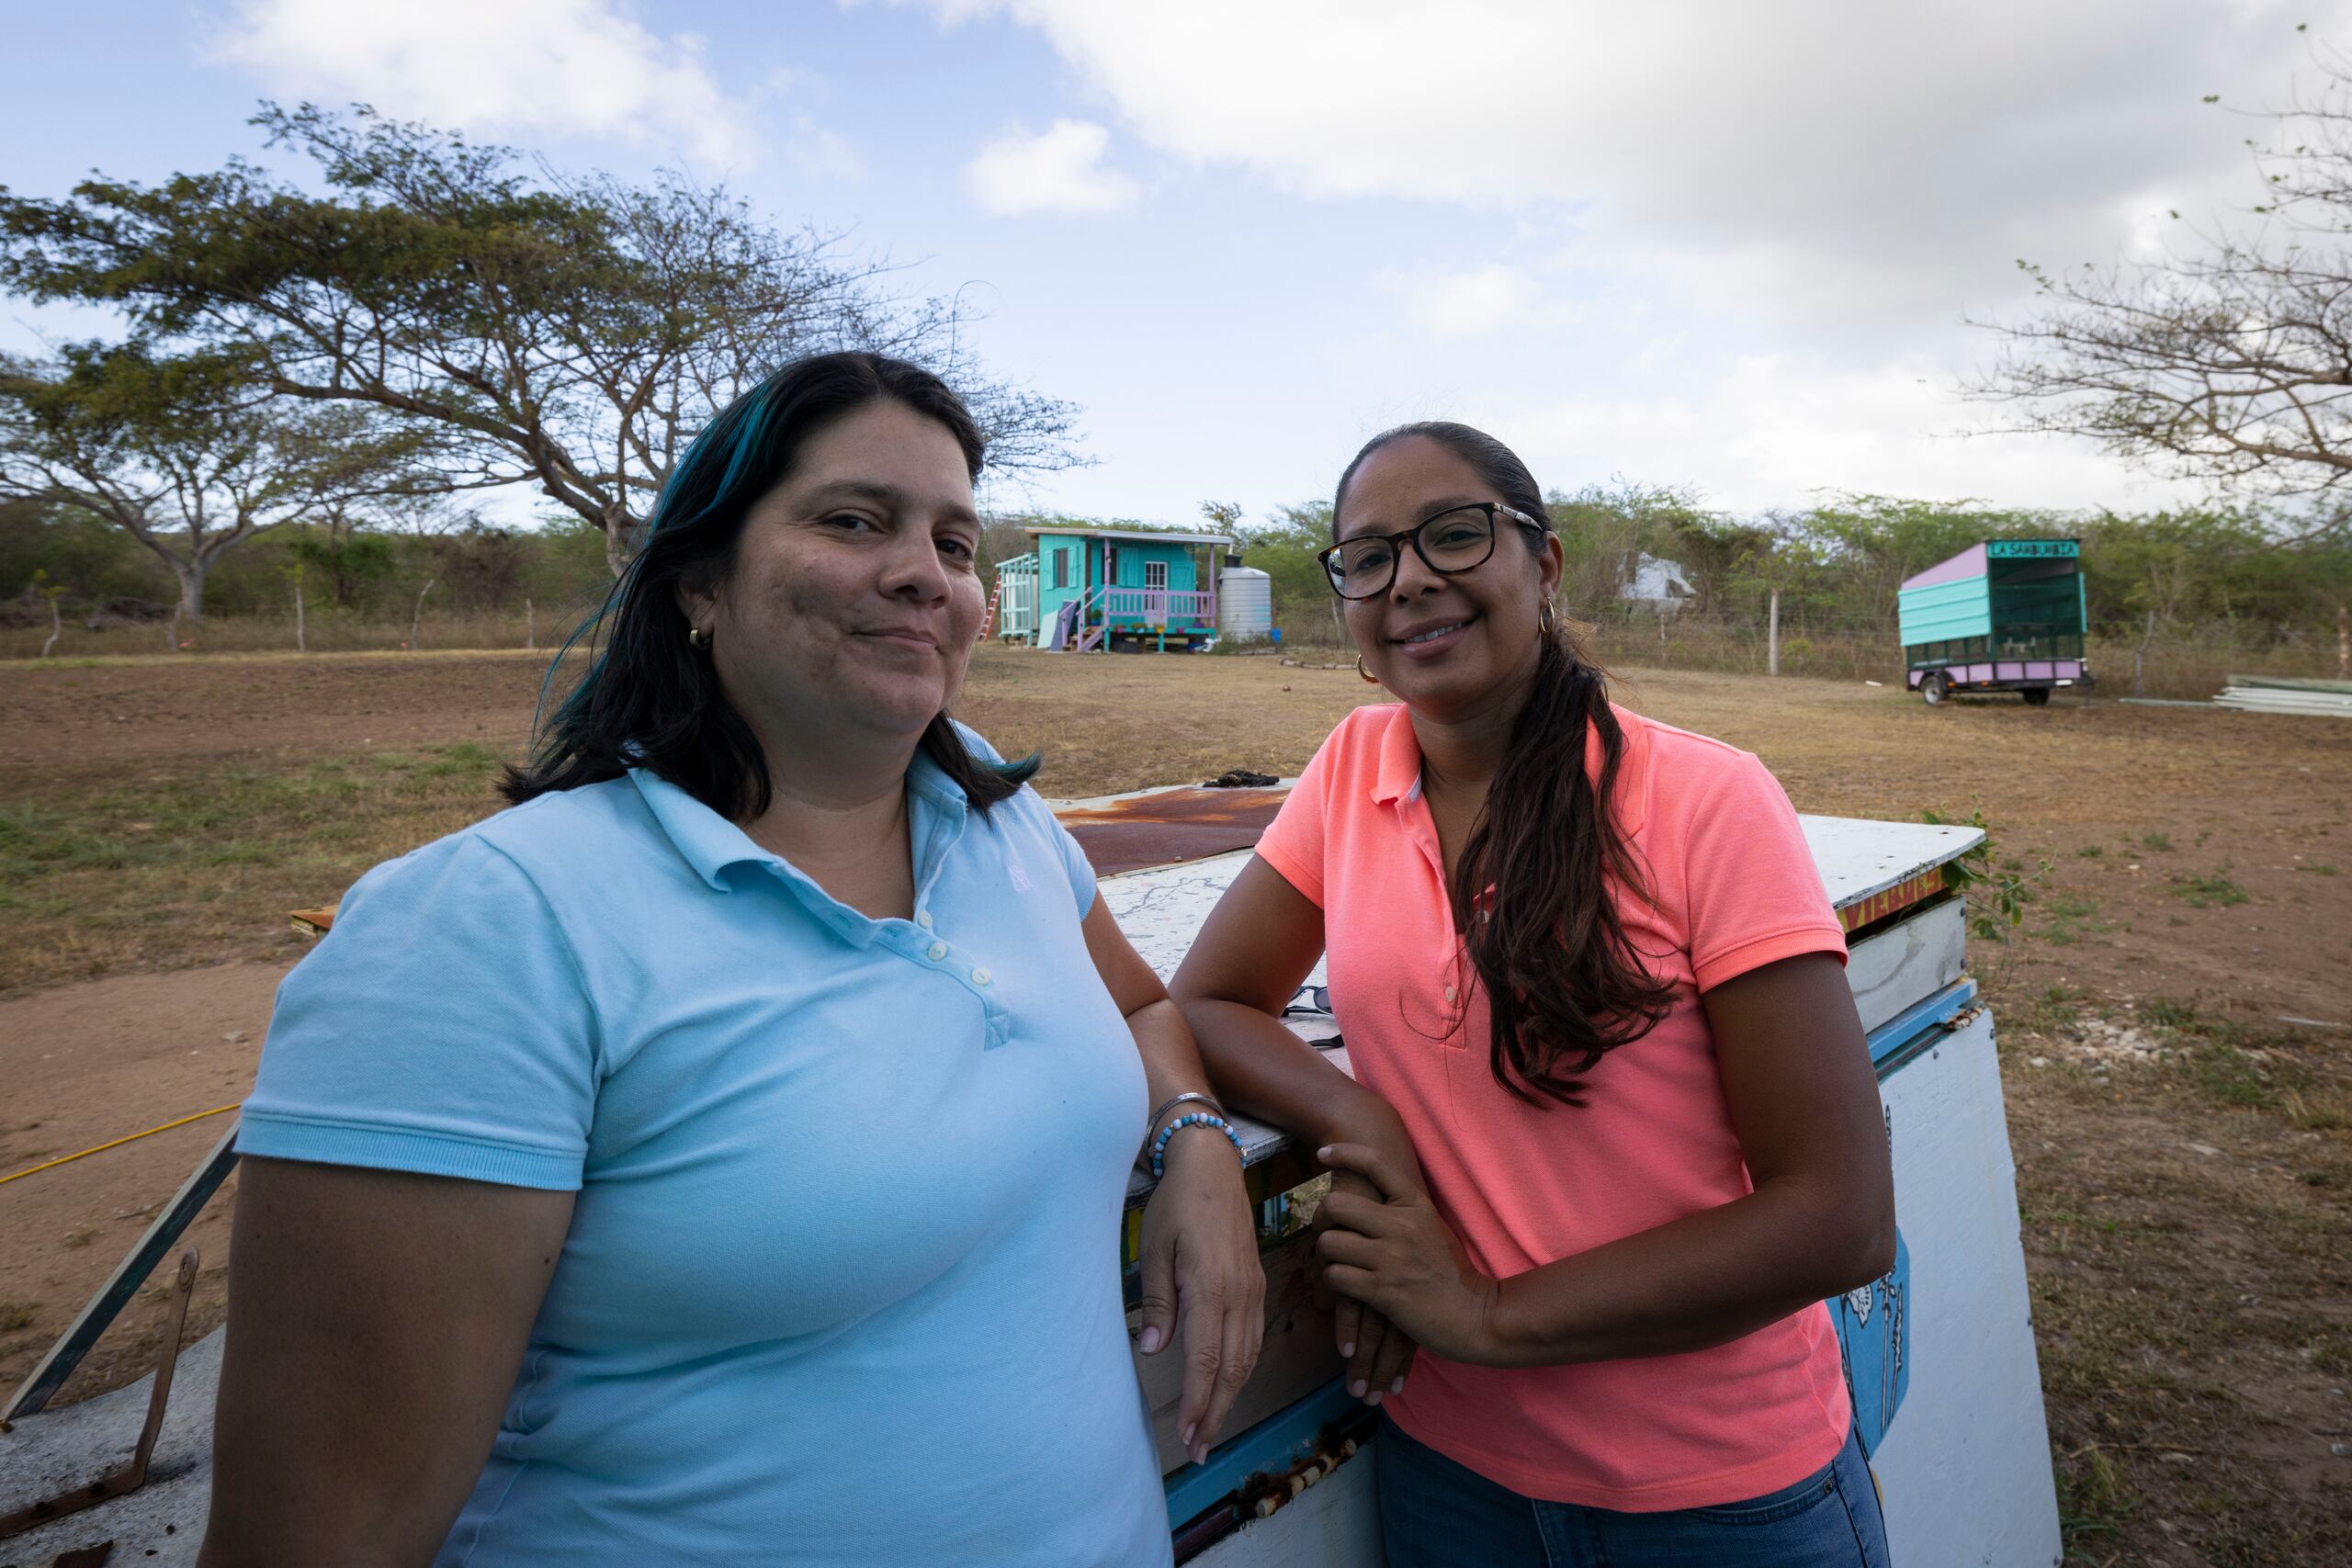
(711, 844)
(1397, 774)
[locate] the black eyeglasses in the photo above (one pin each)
(1455, 540)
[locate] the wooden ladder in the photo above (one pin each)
(996, 596)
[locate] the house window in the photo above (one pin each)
(1061, 569)
(1155, 574)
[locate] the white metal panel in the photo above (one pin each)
(1857, 857)
(1891, 969)
(1965, 1467)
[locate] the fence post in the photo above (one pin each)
(530, 626)
(2139, 653)
(301, 646)
(2343, 642)
(1773, 639)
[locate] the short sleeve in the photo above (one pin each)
(1080, 870)
(1292, 841)
(1754, 894)
(441, 1027)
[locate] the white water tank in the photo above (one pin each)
(1245, 604)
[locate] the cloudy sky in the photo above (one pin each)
(1729, 246)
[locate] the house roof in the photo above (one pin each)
(1144, 536)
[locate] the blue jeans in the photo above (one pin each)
(1437, 1514)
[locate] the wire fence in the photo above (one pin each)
(2181, 662)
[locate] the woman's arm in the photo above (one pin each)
(376, 1322)
(1200, 1237)
(1804, 1102)
(1256, 949)
(1258, 945)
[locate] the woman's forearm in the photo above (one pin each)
(1690, 1284)
(1171, 1063)
(1263, 1070)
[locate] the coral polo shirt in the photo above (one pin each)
(1524, 1185)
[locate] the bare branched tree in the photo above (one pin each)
(2229, 360)
(571, 334)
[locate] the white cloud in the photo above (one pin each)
(1764, 228)
(1819, 161)
(1060, 170)
(1482, 300)
(1768, 430)
(821, 154)
(497, 67)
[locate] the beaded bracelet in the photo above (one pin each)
(1194, 1119)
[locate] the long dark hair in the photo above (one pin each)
(1532, 890)
(651, 699)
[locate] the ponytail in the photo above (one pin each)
(1535, 893)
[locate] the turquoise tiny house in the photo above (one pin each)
(2005, 615)
(1088, 589)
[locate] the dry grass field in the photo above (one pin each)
(2183, 881)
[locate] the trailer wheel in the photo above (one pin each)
(2035, 696)
(1934, 688)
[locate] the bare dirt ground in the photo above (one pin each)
(2185, 1157)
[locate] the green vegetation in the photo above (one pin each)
(1996, 892)
(2203, 892)
(94, 882)
(2070, 917)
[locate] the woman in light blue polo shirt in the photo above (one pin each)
(719, 1157)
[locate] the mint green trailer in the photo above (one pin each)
(2005, 615)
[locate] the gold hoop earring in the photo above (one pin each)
(1365, 673)
(1547, 621)
(699, 637)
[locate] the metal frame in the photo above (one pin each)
(50, 1373)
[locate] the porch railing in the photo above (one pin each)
(1158, 607)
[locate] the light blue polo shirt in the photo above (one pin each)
(841, 1284)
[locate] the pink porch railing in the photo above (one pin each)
(1157, 607)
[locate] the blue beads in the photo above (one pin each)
(1192, 1119)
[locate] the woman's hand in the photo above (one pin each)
(1391, 1251)
(1378, 1353)
(1201, 1270)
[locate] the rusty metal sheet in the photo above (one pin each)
(1169, 825)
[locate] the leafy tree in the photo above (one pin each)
(569, 334)
(1284, 548)
(352, 566)
(183, 453)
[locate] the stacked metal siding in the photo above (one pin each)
(2273, 693)
(1945, 612)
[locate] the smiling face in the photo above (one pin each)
(1449, 646)
(854, 600)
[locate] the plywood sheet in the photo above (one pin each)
(1298, 1356)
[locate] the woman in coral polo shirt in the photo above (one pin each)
(1613, 1135)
